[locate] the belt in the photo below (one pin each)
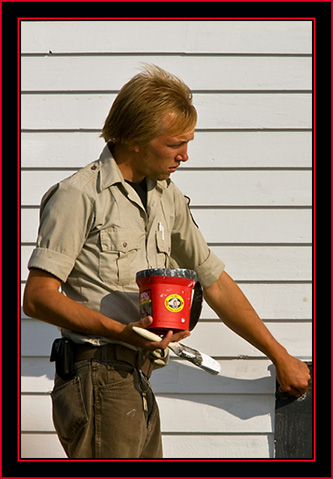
(114, 353)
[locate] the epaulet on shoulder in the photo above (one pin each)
(85, 175)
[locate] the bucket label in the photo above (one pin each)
(174, 303)
(145, 303)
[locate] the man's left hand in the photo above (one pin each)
(293, 376)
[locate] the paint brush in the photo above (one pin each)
(196, 357)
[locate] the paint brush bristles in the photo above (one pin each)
(196, 357)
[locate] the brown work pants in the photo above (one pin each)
(106, 411)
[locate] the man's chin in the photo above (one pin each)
(165, 176)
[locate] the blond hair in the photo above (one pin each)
(136, 115)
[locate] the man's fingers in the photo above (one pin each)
(145, 321)
(180, 336)
(163, 343)
(293, 392)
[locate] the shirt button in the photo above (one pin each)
(94, 167)
(124, 244)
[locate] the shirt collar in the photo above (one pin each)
(110, 173)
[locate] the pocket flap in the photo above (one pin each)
(163, 242)
(115, 239)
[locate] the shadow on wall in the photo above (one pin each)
(192, 391)
(230, 392)
(178, 378)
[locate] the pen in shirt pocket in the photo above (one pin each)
(161, 228)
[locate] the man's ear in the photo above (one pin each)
(134, 147)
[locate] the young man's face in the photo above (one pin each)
(162, 155)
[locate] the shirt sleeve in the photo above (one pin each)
(66, 216)
(189, 248)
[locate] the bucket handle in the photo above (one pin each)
(196, 306)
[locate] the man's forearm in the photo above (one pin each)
(43, 301)
(230, 304)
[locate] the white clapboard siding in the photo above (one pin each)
(205, 37)
(41, 446)
(210, 149)
(245, 188)
(249, 178)
(270, 263)
(255, 225)
(48, 73)
(276, 301)
(216, 412)
(216, 110)
(219, 446)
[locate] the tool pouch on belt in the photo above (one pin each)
(63, 355)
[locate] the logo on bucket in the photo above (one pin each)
(174, 303)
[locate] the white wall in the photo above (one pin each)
(250, 182)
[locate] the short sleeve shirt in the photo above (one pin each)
(95, 234)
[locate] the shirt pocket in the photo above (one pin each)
(117, 262)
(163, 248)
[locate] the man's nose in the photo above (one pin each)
(182, 155)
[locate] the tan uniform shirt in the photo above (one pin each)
(95, 234)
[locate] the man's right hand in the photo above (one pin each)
(129, 336)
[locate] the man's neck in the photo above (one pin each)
(125, 159)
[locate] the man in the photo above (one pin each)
(97, 229)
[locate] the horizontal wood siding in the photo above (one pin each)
(250, 182)
(194, 37)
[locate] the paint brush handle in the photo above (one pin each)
(185, 352)
(145, 333)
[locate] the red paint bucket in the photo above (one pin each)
(166, 295)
